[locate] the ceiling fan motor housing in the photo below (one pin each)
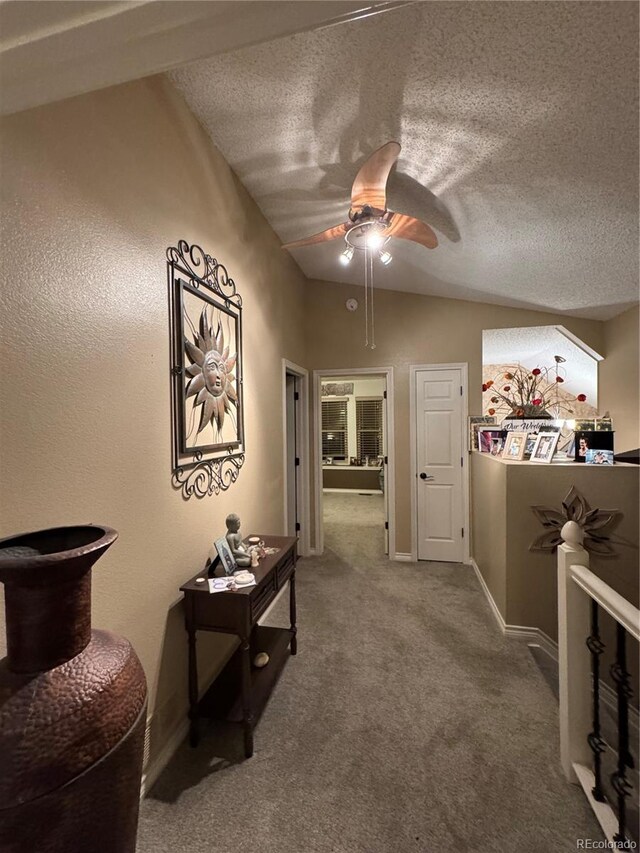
(359, 234)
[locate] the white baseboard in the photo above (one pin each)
(155, 768)
(494, 607)
(312, 553)
(544, 641)
(402, 558)
(526, 633)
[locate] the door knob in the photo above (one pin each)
(424, 476)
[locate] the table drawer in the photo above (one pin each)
(262, 598)
(285, 571)
(211, 612)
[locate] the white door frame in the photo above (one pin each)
(302, 434)
(464, 373)
(390, 473)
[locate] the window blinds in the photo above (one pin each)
(334, 428)
(369, 427)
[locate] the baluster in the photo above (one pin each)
(618, 779)
(597, 744)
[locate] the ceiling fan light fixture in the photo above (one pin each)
(375, 239)
(345, 257)
(386, 257)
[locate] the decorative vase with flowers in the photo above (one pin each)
(522, 393)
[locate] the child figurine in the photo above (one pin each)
(234, 539)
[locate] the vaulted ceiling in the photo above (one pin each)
(518, 124)
(519, 131)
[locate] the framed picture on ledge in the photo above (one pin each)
(515, 446)
(491, 441)
(599, 457)
(587, 440)
(545, 446)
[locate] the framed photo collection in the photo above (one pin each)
(543, 440)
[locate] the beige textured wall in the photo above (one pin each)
(413, 329)
(531, 577)
(620, 379)
(94, 189)
(523, 583)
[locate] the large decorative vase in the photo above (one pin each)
(72, 703)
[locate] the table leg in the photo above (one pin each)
(247, 711)
(194, 735)
(292, 613)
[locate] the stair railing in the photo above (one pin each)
(581, 598)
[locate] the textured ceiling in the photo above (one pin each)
(519, 132)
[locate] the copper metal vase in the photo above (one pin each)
(72, 703)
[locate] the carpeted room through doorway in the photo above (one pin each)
(406, 722)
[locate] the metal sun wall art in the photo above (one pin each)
(597, 524)
(206, 371)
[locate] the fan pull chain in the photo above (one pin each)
(373, 330)
(366, 297)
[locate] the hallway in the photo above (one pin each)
(405, 723)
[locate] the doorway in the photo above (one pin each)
(354, 452)
(440, 494)
(295, 384)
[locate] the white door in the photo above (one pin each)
(440, 457)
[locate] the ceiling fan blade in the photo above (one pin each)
(370, 185)
(330, 234)
(408, 228)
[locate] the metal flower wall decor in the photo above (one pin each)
(207, 397)
(597, 524)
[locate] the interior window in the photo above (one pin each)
(334, 428)
(369, 427)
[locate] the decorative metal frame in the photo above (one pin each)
(210, 469)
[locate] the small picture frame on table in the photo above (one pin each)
(545, 446)
(226, 557)
(490, 441)
(515, 446)
(478, 423)
(587, 440)
(599, 457)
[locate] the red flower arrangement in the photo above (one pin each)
(531, 392)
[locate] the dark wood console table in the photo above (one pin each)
(240, 692)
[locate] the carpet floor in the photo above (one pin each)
(406, 722)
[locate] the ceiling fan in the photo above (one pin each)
(370, 225)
